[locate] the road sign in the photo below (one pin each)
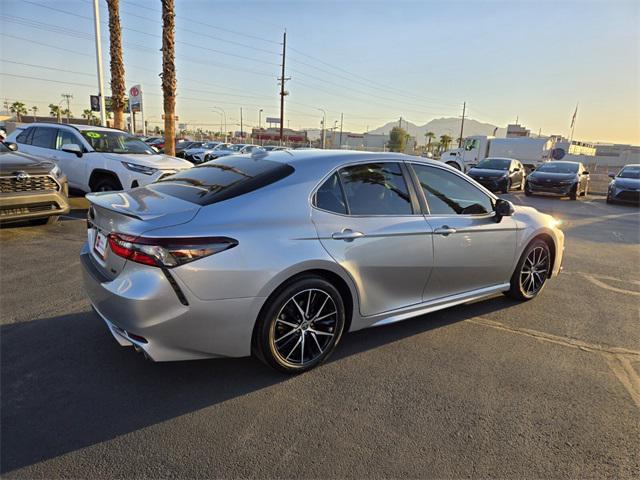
(273, 120)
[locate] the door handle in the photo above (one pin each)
(347, 234)
(444, 230)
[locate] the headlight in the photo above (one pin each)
(56, 172)
(555, 222)
(140, 168)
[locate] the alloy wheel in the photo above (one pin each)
(304, 328)
(535, 270)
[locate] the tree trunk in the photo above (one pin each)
(169, 76)
(118, 89)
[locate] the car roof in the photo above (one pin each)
(332, 158)
(72, 125)
(501, 158)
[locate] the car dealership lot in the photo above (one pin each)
(548, 388)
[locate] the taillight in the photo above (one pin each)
(167, 252)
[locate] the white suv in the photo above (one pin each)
(96, 159)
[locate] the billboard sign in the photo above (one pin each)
(135, 98)
(94, 101)
(273, 120)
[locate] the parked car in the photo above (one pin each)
(232, 149)
(625, 186)
(181, 147)
(31, 188)
(94, 158)
(278, 254)
(198, 155)
(560, 178)
(150, 140)
(499, 174)
(273, 148)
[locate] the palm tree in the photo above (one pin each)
(19, 109)
(169, 75)
(34, 109)
(54, 111)
(118, 89)
(88, 114)
(430, 136)
(445, 140)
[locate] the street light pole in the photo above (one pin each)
(96, 24)
(225, 122)
(260, 119)
(324, 126)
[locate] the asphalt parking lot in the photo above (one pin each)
(548, 388)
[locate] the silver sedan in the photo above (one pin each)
(279, 254)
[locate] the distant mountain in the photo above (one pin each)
(443, 126)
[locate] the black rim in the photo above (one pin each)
(534, 271)
(304, 328)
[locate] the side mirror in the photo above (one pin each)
(503, 208)
(517, 169)
(72, 148)
(11, 146)
(585, 173)
(612, 175)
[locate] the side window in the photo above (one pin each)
(376, 189)
(65, 137)
(329, 196)
(44, 137)
(23, 137)
(449, 194)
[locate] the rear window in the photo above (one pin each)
(223, 179)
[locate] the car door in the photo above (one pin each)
(471, 249)
(368, 219)
(515, 173)
(42, 142)
(583, 178)
(72, 166)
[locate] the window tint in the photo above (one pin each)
(44, 137)
(223, 179)
(376, 189)
(23, 137)
(449, 194)
(66, 137)
(329, 196)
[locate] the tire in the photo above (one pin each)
(107, 184)
(289, 341)
(527, 192)
(535, 259)
(584, 192)
(506, 188)
(573, 194)
(609, 200)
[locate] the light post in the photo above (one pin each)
(324, 125)
(225, 122)
(260, 119)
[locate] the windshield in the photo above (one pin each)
(558, 167)
(108, 141)
(630, 172)
(494, 164)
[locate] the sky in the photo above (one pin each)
(373, 62)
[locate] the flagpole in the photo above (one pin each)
(573, 126)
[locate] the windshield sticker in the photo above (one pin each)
(93, 135)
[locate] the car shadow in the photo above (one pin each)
(67, 385)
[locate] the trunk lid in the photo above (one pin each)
(132, 212)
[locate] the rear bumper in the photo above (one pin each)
(141, 303)
(32, 205)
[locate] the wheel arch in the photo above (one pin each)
(99, 173)
(343, 285)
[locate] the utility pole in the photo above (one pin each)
(283, 79)
(464, 108)
(68, 97)
(241, 132)
(341, 119)
(96, 24)
(324, 127)
(400, 123)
